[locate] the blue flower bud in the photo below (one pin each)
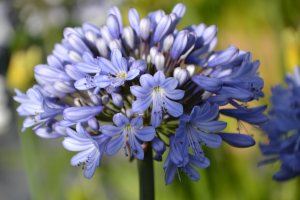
(158, 146)
(105, 99)
(145, 27)
(81, 114)
(101, 47)
(90, 27)
(113, 26)
(115, 44)
(74, 73)
(129, 36)
(74, 56)
(208, 83)
(66, 87)
(77, 43)
(168, 42)
(51, 73)
(199, 32)
(54, 62)
(191, 42)
(179, 44)
(117, 100)
(94, 124)
(91, 37)
(134, 20)
(225, 57)
(158, 15)
(179, 9)
(51, 90)
(182, 77)
(237, 140)
(115, 11)
(162, 28)
(159, 61)
(209, 33)
(96, 99)
(129, 113)
(106, 35)
(111, 89)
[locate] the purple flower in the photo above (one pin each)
(191, 129)
(91, 149)
(127, 128)
(157, 90)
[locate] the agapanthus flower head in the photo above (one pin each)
(160, 86)
(283, 130)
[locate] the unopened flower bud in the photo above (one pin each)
(158, 15)
(209, 33)
(79, 102)
(105, 34)
(101, 47)
(115, 11)
(168, 42)
(153, 52)
(191, 70)
(129, 36)
(179, 44)
(159, 148)
(129, 113)
(162, 28)
(117, 100)
(182, 77)
(94, 124)
(74, 56)
(179, 9)
(90, 36)
(113, 26)
(134, 20)
(145, 27)
(115, 44)
(104, 99)
(66, 87)
(175, 72)
(159, 61)
(96, 99)
(111, 89)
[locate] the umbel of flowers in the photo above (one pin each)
(157, 85)
(283, 129)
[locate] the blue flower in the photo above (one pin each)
(91, 149)
(157, 90)
(191, 129)
(127, 128)
(159, 148)
(283, 129)
(178, 157)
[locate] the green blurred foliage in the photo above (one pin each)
(270, 29)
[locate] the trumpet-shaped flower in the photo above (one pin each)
(127, 130)
(157, 90)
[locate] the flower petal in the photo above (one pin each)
(175, 109)
(137, 122)
(175, 94)
(120, 120)
(140, 106)
(147, 82)
(145, 134)
(111, 130)
(132, 74)
(114, 146)
(159, 77)
(139, 92)
(212, 126)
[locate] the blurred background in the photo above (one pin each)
(39, 169)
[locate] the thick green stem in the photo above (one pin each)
(146, 175)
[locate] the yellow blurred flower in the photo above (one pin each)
(20, 69)
(291, 50)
